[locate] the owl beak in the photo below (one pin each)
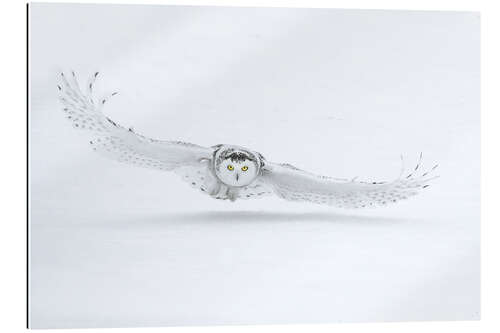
(237, 176)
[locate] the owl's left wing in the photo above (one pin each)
(119, 143)
(293, 184)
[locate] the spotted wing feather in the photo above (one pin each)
(293, 184)
(199, 176)
(117, 142)
(257, 189)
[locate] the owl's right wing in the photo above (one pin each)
(119, 143)
(291, 183)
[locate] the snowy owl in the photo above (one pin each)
(222, 171)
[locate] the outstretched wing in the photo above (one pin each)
(293, 184)
(119, 143)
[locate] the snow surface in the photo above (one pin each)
(335, 92)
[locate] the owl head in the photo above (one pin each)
(236, 166)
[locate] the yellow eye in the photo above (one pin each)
(230, 167)
(245, 168)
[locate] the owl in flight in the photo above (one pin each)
(226, 172)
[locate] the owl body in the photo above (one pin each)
(225, 171)
(231, 173)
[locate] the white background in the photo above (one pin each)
(490, 229)
(336, 92)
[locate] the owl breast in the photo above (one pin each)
(236, 166)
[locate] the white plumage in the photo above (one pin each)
(225, 171)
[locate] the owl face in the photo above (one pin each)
(236, 167)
